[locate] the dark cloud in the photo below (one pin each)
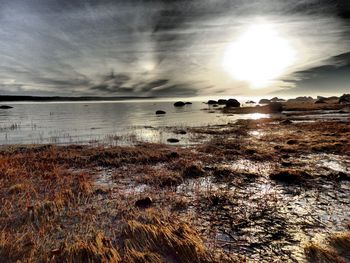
(332, 77)
(120, 85)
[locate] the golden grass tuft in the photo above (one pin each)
(134, 256)
(100, 250)
(172, 242)
(340, 242)
(316, 253)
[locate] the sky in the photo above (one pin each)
(169, 48)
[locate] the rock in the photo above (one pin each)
(250, 102)
(4, 107)
(182, 132)
(160, 112)
(301, 100)
(291, 142)
(264, 101)
(275, 99)
(188, 103)
(233, 103)
(222, 102)
(212, 102)
(320, 101)
(179, 104)
(290, 176)
(340, 176)
(344, 98)
(173, 140)
(144, 202)
(275, 107)
(173, 155)
(194, 171)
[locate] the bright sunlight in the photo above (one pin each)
(258, 56)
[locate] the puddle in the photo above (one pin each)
(321, 163)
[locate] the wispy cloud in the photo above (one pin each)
(156, 47)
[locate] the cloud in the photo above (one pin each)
(159, 47)
(333, 77)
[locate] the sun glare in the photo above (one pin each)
(258, 56)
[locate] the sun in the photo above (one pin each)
(259, 56)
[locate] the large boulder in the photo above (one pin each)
(212, 102)
(179, 104)
(160, 112)
(222, 102)
(233, 103)
(344, 98)
(264, 101)
(4, 107)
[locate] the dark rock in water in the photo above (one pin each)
(4, 107)
(222, 102)
(144, 202)
(212, 102)
(215, 105)
(275, 107)
(179, 104)
(182, 132)
(287, 121)
(264, 101)
(233, 103)
(173, 140)
(290, 176)
(250, 102)
(344, 98)
(188, 103)
(159, 112)
(194, 171)
(340, 176)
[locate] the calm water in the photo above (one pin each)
(102, 122)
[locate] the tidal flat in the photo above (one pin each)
(266, 190)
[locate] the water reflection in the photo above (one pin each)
(101, 122)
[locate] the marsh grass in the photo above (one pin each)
(52, 207)
(317, 253)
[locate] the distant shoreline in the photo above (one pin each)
(8, 98)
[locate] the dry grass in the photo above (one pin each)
(100, 250)
(340, 242)
(319, 254)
